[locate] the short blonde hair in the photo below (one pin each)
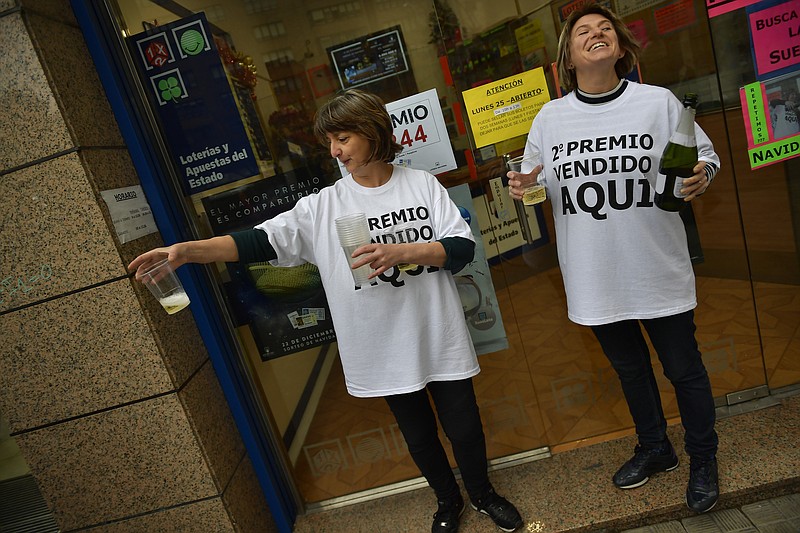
(627, 43)
(360, 112)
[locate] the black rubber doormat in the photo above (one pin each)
(22, 508)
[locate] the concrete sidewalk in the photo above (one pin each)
(759, 461)
(776, 515)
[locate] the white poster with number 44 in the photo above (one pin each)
(420, 129)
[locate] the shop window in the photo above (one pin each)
(214, 13)
(334, 12)
(259, 6)
(269, 31)
(279, 56)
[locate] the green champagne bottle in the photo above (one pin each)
(678, 159)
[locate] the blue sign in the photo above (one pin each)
(188, 89)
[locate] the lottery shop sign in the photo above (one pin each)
(419, 126)
(188, 90)
(157, 53)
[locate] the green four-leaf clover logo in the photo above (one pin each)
(169, 88)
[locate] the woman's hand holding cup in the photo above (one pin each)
(519, 182)
(526, 187)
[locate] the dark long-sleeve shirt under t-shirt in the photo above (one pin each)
(253, 246)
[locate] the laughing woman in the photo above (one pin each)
(625, 263)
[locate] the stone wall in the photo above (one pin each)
(114, 404)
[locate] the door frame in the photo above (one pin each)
(101, 31)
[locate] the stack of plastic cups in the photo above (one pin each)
(353, 232)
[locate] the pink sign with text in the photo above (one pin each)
(719, 7)
(775, 32)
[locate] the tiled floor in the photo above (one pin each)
(553, 386)
(781, 514)
(571, 491)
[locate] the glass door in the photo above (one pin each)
(747, 311)
(335, 445)
(768, 198)
(552, 388)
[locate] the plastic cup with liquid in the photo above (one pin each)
(165, 286)
(402, 233)
(535, 194)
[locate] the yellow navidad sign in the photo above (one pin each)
(503, 109)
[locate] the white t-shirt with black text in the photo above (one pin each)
(407, 328)
(621, 257)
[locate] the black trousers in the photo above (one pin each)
(458, 413)
(674, 342)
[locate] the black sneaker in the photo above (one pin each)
(645, 462)
(702, 492)
(445, 520)
(504, 514)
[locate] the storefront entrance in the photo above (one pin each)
(551, 388)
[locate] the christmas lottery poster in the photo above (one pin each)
(770, 118)
(284, 307)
